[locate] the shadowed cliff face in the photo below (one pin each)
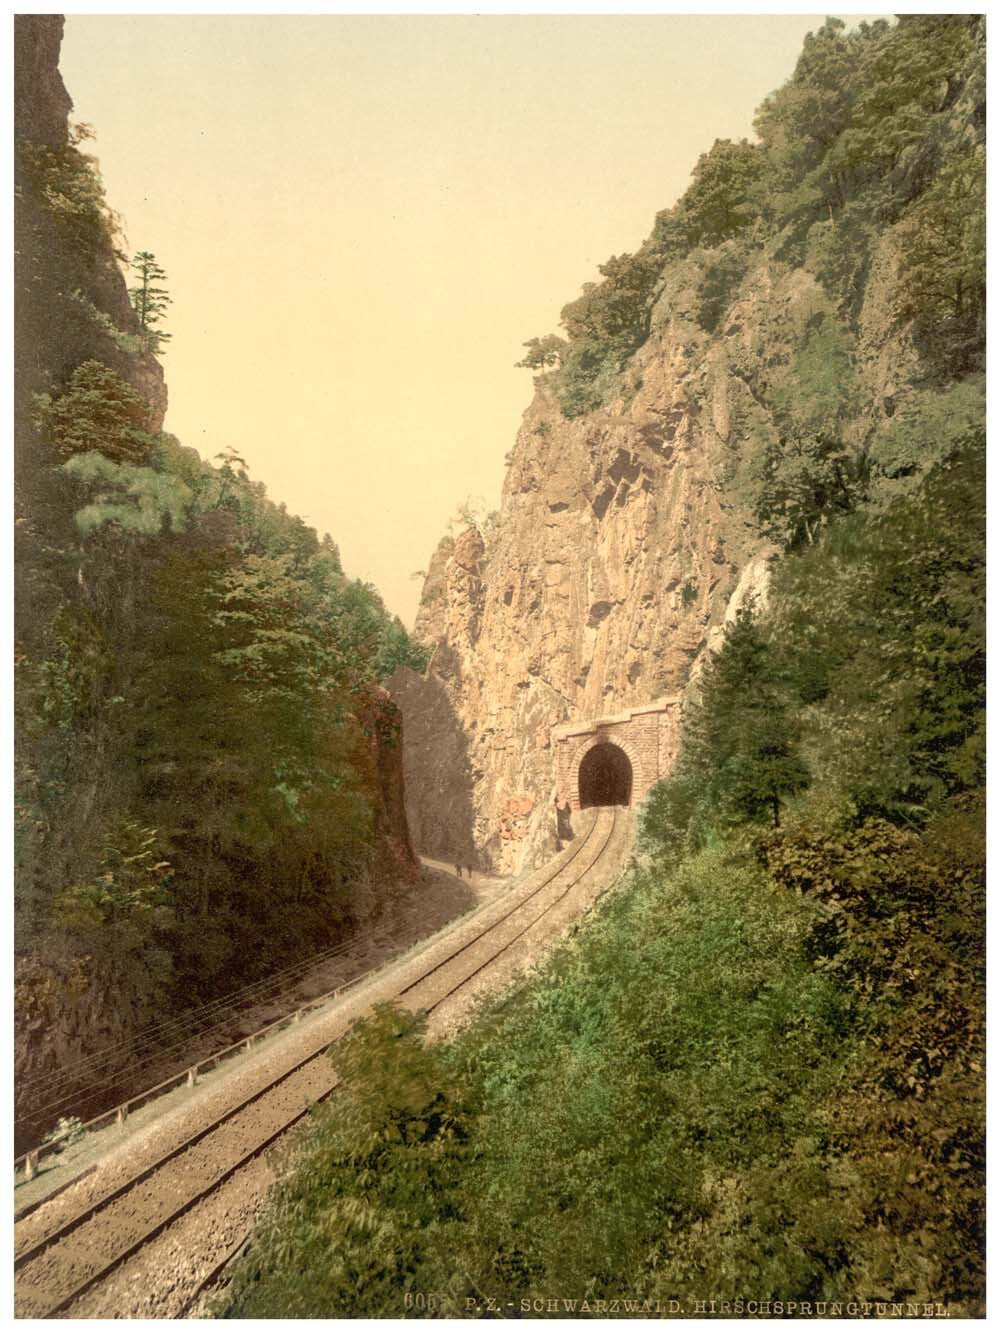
(437, 778)
(54, 332)
(115, 628)
(619, 544)
(41, 102)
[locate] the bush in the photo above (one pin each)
(69, 187)
(96, 412)
(374, 1187)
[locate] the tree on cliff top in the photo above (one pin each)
(149, 300)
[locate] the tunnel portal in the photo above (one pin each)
(615, 759)
(605, 776)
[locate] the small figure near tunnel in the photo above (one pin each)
(605, 776)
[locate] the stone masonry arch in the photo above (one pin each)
(647, 735)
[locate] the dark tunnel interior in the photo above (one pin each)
(605, 776)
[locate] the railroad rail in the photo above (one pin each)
(54, 1270)
(213, 1017)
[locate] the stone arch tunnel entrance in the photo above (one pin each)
(605, 776)
(614, 760)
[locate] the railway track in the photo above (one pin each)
(56, 1268)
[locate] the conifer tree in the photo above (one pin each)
(742, 736)
(149, 300)
(739, 759)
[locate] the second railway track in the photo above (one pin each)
(56, 1267)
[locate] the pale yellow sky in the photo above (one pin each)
(363, 218)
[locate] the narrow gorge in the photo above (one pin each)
(691, 729)
(209, 780)
(630, 532)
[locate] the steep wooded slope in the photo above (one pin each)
(761, 365)
(208, 776)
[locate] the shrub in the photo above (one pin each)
(96, 411)
(69, 187)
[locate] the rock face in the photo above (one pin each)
(394, 849)
(617, 552)
(58, 285)
(41, 102)
(71, 306)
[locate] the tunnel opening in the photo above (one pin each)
(605, 776)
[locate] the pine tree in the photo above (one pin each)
(739, 758)
(149, 301)
(742, 737)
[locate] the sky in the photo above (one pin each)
(362, 219)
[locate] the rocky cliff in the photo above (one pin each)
(621, 543)
(70, 296)
(293, 831)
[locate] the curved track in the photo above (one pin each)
(56, 1267)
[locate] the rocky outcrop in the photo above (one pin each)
(71, 300)
(618, 553)
(437, 774)
(41, 102)
(394, 849)
(72, 306)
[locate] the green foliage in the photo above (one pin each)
(136, 499)
(942, 267)
(911, 86)
(667, 1098)
(723, 274)
(879, 131)
(376, 1192)
(125, 342)
(207, 670)
(802, 124)
(542, 352)
(68, 1130)
(96, 410)
(933, 426)
(149, 299)
(880, 629)
(770, 1070)
(840, 253)
(200, 741)
(739, 759)
(605, 326)
(397, 648)
(807, 473)
(130, 886)
(69, 187)
(56, 685)
(902, 932)
(589, 371)
(719, 204)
